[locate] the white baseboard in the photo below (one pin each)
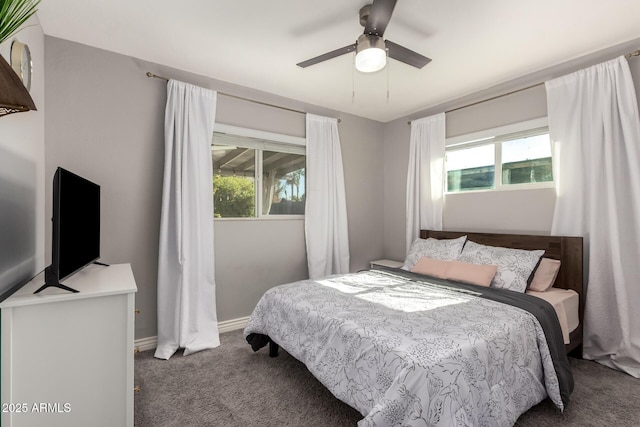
(232, 325)
(143, 344)
(150, 343)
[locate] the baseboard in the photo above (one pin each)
(150, 343)
(144, 344)
(232, 325)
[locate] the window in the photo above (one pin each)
(470, 168)
(257, 174)
(516, 156)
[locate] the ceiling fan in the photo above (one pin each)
(371, 49)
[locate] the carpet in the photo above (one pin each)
(232, 386)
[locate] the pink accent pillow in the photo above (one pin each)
(545, 274)
(475, 274)
(431, 267)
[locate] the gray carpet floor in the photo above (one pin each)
(232, 386)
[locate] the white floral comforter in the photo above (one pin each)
(408, 353)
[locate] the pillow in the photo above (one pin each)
(545, 274)
(515, 266)
(443, 249)
(431, 267)
(475, 274)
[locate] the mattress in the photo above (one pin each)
(566, 303)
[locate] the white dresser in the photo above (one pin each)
(67, 358)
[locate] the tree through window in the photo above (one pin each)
(257, 177)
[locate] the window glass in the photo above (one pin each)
(527, 160)
(513, 156)
(254, 177)
(283, 183)
(233, 181)
(470, 168)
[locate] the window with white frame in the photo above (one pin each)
(511, 157)
(257, 174)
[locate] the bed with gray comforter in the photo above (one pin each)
(406, 350)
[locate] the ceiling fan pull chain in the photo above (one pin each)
(353, 80)
(388, 66)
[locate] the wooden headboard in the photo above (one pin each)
(567, 249)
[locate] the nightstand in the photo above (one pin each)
(386, 263)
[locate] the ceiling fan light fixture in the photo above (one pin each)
(371, 55)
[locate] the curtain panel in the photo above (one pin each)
(186, 287)
(595, 129)
(325, 225)
(425, 176)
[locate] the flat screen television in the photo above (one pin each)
(75, 227)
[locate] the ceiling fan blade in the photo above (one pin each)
(379, 16)
(402, 54)
(329, 55)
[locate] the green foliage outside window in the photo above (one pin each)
(233, 196)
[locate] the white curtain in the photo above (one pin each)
(594, 125)
(325, 226)
(425, 175)
(186, 288)
(268, 188)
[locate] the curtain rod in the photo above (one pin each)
(155, 76)
(627, 56)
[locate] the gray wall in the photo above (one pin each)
(105, 121)
(522, 211)
(22, 178)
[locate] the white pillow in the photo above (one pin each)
(515, 266)
(443, 249)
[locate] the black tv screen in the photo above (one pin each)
(75, 227)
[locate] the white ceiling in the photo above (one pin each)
(474, 44)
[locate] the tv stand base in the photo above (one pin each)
(56, 285)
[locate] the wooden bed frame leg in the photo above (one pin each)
(273, 349)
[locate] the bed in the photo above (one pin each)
(407, 349)
(567, 249)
